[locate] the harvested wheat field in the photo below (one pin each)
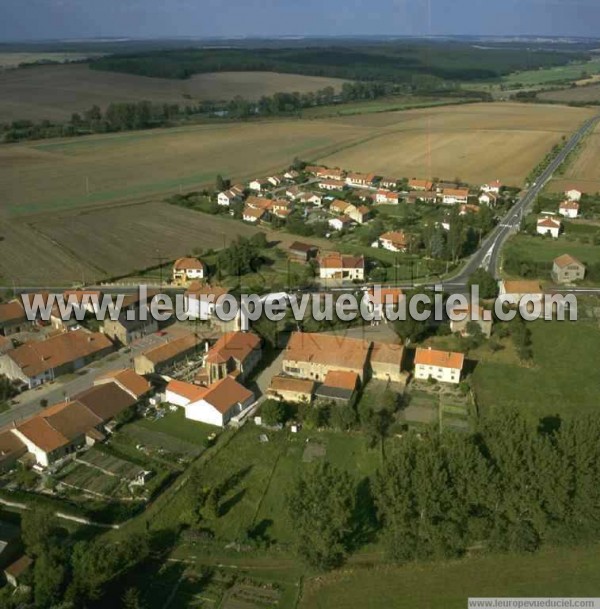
(583, 172)
(581, 94)
(55, 92)
(476, 142)
(94, 244)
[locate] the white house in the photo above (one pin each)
(310, 198)
(573, 195)
(394, 241)
(386, 197)
(188, 269)
(493, 187)
(443, 366)
(450, 196)
(200, 300)
(569, 209)
(339, 223)
(488, 198)
(227, 198)
(331, 185)
(253, 215)
(258, 185)
(548, 226)
(274, 180)
(339, 266)
(214, 405)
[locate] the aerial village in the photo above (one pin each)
(71, 387)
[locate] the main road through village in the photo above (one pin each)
(487, 256)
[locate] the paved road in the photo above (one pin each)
(488, 255)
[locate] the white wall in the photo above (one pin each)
(444, 375)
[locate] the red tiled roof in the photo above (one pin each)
(341, 379)
(439, 359)
(328, 350)
(188, 264)
(566, 260)
(236, 345)
(191, 392)
(130, 381)
(226, 393)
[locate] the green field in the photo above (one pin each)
(561, 380)
(175, 424)
(546, 76)
(551, 573)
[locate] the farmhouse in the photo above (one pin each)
(344, 267)
(386, 197)
(573, 195)
(291, 389)
(303, 252)
(450, 196)
(394, 241)
(125, 331)
(386, 362)
(493, 187)
(569, 209)
(567, 269)
(234, 354)
(228, 198)
(420, 184)
(469, 314)
(444, 366)
(188, 269)
(214, 405)
(312, 356)
(339, 386)
(548, 226)
(331, 184)
(35, 363)
(513, 291)
(12, 318)
(159, 359)
(64, 428)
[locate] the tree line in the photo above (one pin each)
(510, 486)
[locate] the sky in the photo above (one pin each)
(75, 19)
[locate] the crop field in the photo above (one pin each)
(583, 172)
(13, 60)
(472, 142)
(59, 196)
(546, 76)
(55, 92)
(582, 94)
(120, 239)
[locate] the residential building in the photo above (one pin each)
(493, 187)
(488, 198)
(567, 269)
(253, 215)
(330, 174)
(394, 241)
(274, 180)
(259, 185)
(387, 197)
(161, 358)
(214, 405)
(388, 182)
(377, 300)
(311, 198)
(415, 184)
(423, 196)
(386, 361)
(291, 389)
(340, 207)
(125, 331)
(291, 174)
(200, 300)
(228, 197)
(469, 314)
(37, 362)
(443, 366)
(331, 184)
(6, 344)
(573, 195)
(127, 380)
(293, 192)
(342, 267)
(569, 209)
(450, 196)
(360, 179)
(513, 291)
(312, 356)
(361, 215)
(339, 386)
(340, 223)
(234, 354)
(17, 571)
(12, 318)
(303, 252)
(549, 226)
(188, 269)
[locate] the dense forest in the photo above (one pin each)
(394, 62)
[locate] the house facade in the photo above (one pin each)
(188, 269)
(443, 366)
(548, 226)
(567, 269)
(569, 209)
(342, 267)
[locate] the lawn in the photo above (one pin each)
(175, 424)
(562, 379)
(551, 573)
